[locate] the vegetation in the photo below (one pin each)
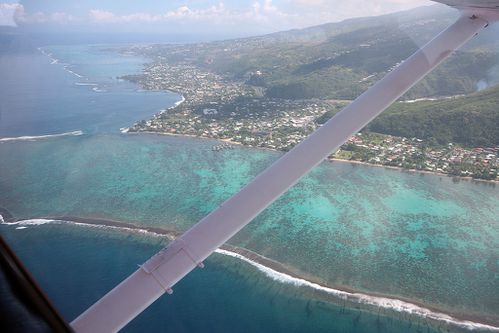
(340, 60)
(472, 121)
(273, 91)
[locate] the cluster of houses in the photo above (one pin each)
(216, 107)
(414, 153)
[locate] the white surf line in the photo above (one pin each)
(54, 60)
(39, 222)
(125, 130)
(75, 74)
(41, 137)
(384, 302)
(177, 103)
(182, 100)
(85, 84)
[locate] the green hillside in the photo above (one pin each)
(472, 120)
(341, 60)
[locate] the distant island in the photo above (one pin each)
(273, 91)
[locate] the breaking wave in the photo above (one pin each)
(41, 137)
(392, 304)
(53, 60)
(72, 72)
(377, 301)
(182, 100)
(94, 224)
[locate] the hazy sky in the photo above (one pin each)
(190, 16)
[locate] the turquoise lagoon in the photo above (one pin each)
(427, 239)
(430, 241)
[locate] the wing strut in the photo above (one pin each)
(158, 275)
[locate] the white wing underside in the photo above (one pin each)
(163, 270)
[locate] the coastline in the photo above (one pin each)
(125, 130)
(338, 295)
(436, 173)
(424, 172)
(274, 269)
(40, 137)
(391, 167)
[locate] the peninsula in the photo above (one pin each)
(270, 92)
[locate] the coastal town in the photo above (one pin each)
(237, 112)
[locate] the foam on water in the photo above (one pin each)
(39, 222)
(125, 130)
(31, 222)
(382, 302)
(179, 102)
(57, 105)
(355, 297)
(55, 61)
(85, 84)
(72, 72)
(41, 137)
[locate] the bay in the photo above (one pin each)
(425, 239)
(62, 89)
(422, 238)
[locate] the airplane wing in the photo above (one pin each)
(484, 4)
(160, 273)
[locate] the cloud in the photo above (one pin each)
(258, 16)
(183, 12)
(103, 16)
(263, 15)
(41, 17)
(258, 9)
(8, 12)
(322, 11)
(14, 14)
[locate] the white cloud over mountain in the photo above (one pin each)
(262, 15)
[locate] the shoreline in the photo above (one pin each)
(390, 167)
(126, 130)
(423, 172)
(370, 301)
(41, 137)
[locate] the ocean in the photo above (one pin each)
(63, 89)
(359, 248)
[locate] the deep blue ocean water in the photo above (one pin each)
(423, 238)
(75, 88)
